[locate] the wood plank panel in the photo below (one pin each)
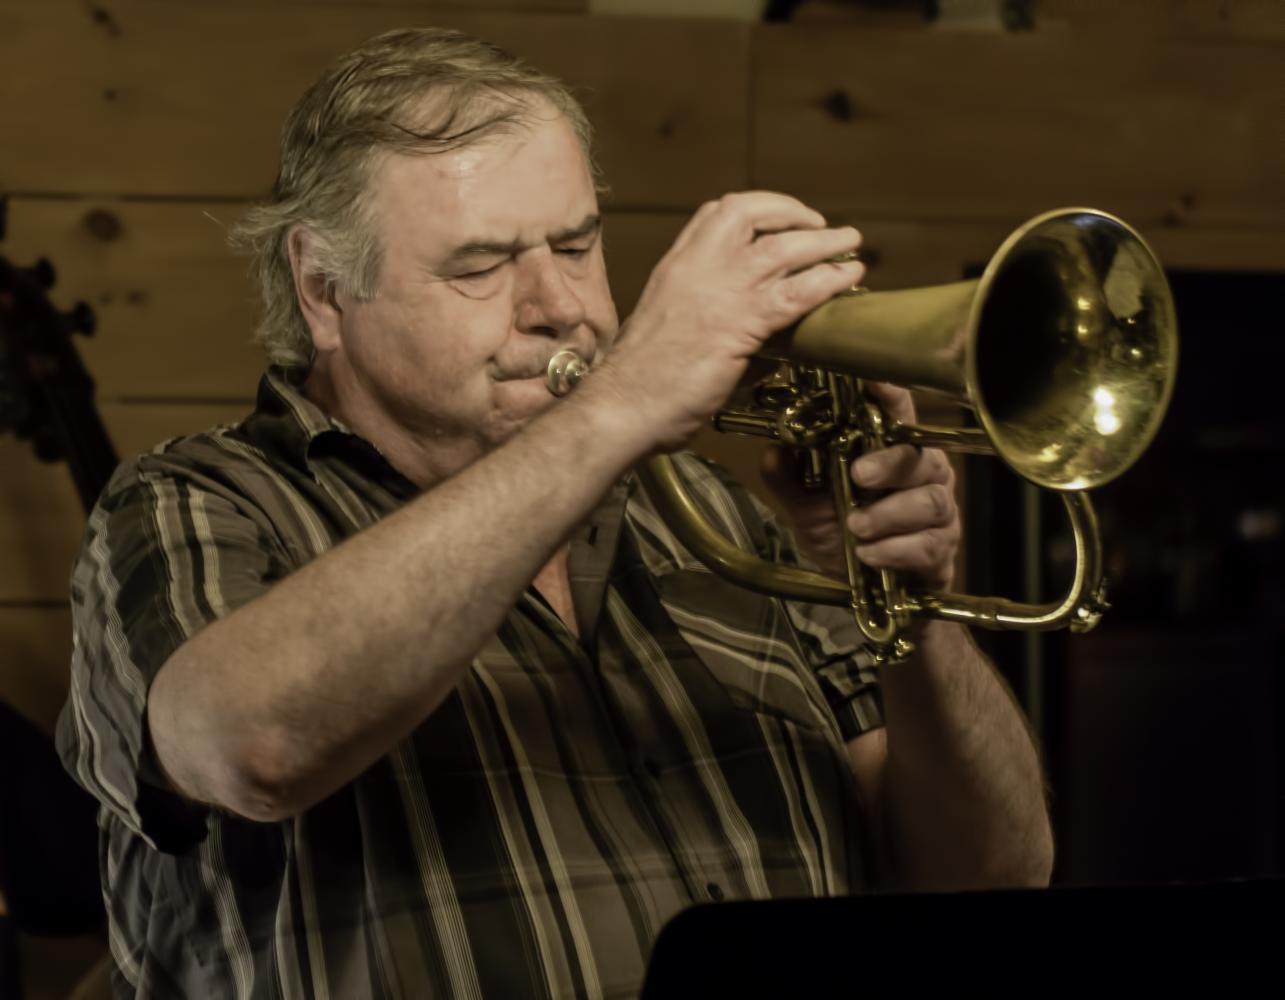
(117, 98)
(35, 661)
(175, 309)
(906, 254)
(1169, 18)
(517, 6)
(964, 126)
(1189, 248)
(41, 520)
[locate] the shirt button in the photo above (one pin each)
(715, 892)
(651, 766)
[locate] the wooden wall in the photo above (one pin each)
(134, 131)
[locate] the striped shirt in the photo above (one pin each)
(534, 833)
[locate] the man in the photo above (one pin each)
(401, 688)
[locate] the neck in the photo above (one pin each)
(554, 584)
(425, 459)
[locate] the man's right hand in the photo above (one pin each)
(744, 267)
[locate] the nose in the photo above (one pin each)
(546, 300)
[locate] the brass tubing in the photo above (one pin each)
(672, 502)
(967, 440)
(872, 594)
(1078, 609)
(1065, 350)
(745, 422)
(914, 337)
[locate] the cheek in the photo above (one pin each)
(607, 326)
(450, 338)
(470, 329)
(600, 308)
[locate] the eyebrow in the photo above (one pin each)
(493, 248)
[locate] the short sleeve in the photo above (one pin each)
(167, 551)
(835, 647)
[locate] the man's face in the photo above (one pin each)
(492, 264)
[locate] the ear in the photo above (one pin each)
(313, 290)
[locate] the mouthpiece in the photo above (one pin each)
(566, 369)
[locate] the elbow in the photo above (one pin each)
(209, 751)
(261, 783)
(260, 801)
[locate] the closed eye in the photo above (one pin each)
(573, 251)
(475, 275)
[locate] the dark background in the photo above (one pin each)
(1163, 728)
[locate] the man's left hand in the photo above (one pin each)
(913, 527)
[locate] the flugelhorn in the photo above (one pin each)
(1065, 351)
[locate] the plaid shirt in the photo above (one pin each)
(534, 833)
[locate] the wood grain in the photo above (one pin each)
(970, 127)
(1166, 18)
(182, 98)
(175, 308)
(176, 311)
(517, 6)
(410, 6)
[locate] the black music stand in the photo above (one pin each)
(1029, 943)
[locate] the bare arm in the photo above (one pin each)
(955, 777)
(274, 707)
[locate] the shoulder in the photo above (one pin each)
(217, 481)
(236, 462)
(217, 458)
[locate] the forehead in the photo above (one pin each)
(515, 186)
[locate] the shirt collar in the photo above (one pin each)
(296, 425)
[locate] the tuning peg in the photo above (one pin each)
(43, 273)
(80, 319)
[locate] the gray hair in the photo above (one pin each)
(411, 91)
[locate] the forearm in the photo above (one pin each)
(282, 702)
(963, 790)
(275, 706)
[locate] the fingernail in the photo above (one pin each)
(856, 522)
